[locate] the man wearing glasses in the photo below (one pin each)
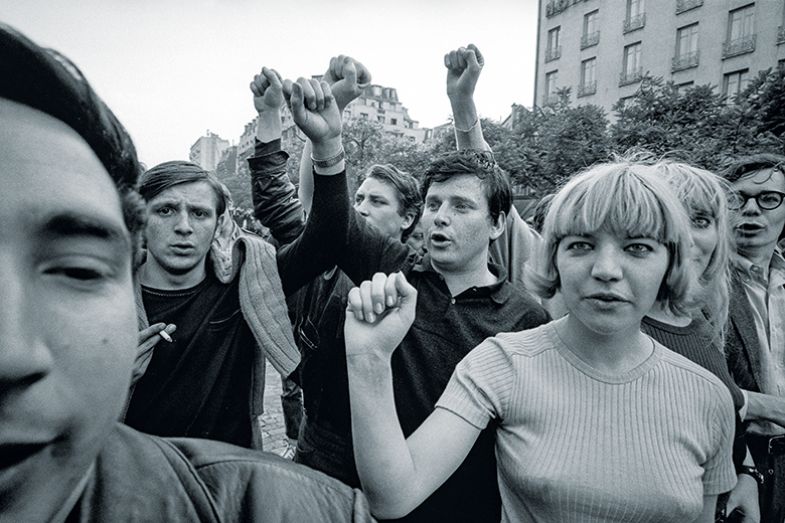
(755, 341)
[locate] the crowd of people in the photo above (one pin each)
(621, 360)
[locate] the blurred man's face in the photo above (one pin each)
(758, 228)
(67, 317)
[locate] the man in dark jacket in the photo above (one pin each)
(71, 223)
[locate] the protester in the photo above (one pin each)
(755, 346)
(71, 223)
(209, 381)
(583, 408)
(698, 334)
(389, 200)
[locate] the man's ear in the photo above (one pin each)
(497, 226)
(220, 223)
(409, 219)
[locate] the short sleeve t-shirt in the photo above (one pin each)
(575, 444)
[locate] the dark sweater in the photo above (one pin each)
(694, 342)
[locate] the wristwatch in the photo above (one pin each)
(753, 472)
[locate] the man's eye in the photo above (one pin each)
(200, 214)
(84, 274)
(164, 211)
(432, 206)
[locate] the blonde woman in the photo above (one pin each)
(595, 421)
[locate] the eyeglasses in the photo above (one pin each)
(766, 200)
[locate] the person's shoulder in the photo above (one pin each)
(532, 312)
(252, 485)
(674, 362)
(527, 343)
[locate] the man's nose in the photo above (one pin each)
(24, 356)
(183, 224)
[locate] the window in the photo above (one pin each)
(741, 22)
(741, 32)
(631, 71)
(735, 82)
(364, 116)
(588, 77)
(634, 8)
(550, 83)
(394, 121)
(682, 88)
(591, 29)
(553, 50)
(632, 58)
(380, 119)
(687, 40)
(590, 22)
(686, 48)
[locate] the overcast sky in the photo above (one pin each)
(171, 69)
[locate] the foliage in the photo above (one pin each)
(546, 145)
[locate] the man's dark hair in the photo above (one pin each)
(407, 189)
(47, 81)
(744, 165)
(481, 164)
(170, 174)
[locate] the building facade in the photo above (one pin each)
(207, 151)
(381, 104)
(601, 49)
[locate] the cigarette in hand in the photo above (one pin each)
(165, 336)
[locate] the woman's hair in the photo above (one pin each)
(706, 194)
(628, 199)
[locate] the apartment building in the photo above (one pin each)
(602, 49)
(207, 150)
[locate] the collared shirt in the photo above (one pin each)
(766, 294)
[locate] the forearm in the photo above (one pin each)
(384, 462)
(274, 195)
(269, 127)
(317, 248)
(765, 407)
(468, 131)
(305, 191)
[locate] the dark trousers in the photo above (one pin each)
(292, 405)
(772, 493)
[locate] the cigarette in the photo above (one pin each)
(165, 336)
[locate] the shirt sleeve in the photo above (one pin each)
(719, 473)
(480, 386)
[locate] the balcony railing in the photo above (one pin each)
(630, 77)
(634, 23)
(555, 7)
(781, 34)
(742, 45)
(686, 5)
(685, 61)
(587, 89)
(590, 39)
(553, 53)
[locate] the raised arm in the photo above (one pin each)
(275, 204)
(315, 112)
(397, 474)
(464, 66)
(346, 78)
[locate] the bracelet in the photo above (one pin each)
(329, 162)
(752, 472)
(471, 127)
